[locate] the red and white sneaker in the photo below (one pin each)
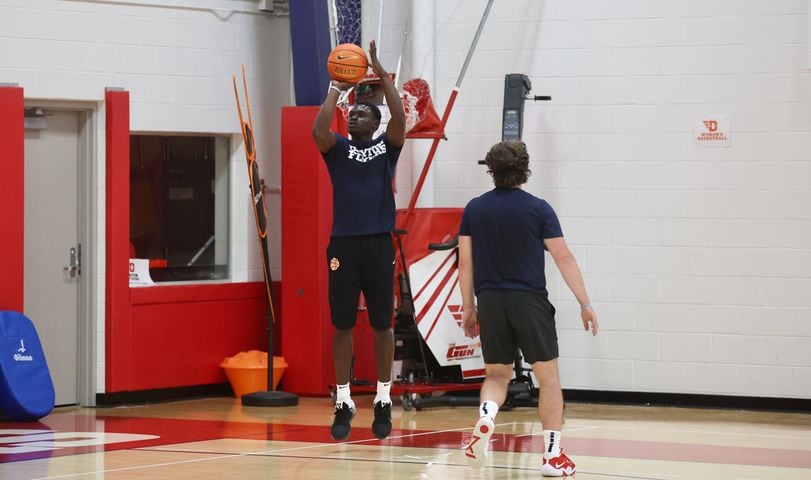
(476, 450)
(559, 466)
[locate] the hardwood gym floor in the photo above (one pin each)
(218, 438)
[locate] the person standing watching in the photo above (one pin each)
(501, 259)
(360, 255)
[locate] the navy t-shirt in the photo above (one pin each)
(362, 195)
(507, 227)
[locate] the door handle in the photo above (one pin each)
(74, 267)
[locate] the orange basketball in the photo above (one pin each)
(347, 63)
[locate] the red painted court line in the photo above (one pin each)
(170, 431)
(175, 431)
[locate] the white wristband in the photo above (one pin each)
(333, 87)
(588, 305)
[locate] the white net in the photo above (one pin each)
(344, 103)
(410, 107)
(347, 21)
(422, 120)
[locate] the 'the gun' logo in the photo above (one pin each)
(459, 352)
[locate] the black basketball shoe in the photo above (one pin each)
(341, 423)
(381, 426)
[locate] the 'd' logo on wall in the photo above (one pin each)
(712, 131)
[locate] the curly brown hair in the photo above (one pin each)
(508, 163)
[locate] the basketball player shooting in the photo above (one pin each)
(360, 254)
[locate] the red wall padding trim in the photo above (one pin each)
(183, 343)
(12, 198)
(117, 230)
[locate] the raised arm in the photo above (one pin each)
(323, 136)
(568, 267)
(396, 129)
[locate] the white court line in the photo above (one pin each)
(124, 469)
(246, 454)
(568, 430)
(317, 445)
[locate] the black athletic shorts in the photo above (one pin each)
(509, 319)
(358, 264)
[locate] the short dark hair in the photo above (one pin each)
(508, 163)
(373, 108)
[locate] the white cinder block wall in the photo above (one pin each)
(697, 259)
(177, 64)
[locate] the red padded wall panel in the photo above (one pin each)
(181, 334)
(117, 230)
(306, 222)
(12, 197)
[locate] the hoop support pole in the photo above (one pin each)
(473, 44)
(447, 113)
(434, 144)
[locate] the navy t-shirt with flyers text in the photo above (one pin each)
(362, 194)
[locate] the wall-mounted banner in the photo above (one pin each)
(712, 131)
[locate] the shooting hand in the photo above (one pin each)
(375, 62)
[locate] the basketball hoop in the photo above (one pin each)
(422, 120)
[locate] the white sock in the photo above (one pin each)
(342, 395)
(488, 409)
(551, 439)
(383, 392)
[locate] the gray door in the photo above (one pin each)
(52, 248)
